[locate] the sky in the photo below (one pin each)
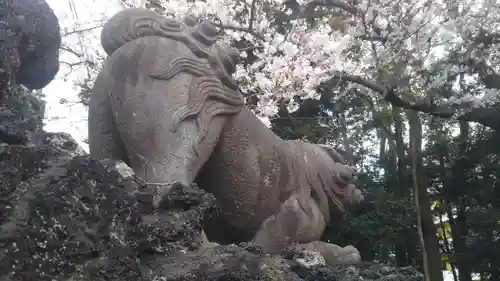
(72, 116)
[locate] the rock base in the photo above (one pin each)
(65, 216)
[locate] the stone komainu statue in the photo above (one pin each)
(166, 104)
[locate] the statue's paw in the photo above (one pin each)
(310, 259)
(332, 253)
(348, 255)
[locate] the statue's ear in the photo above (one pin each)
(333, 153)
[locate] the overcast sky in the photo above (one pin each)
(71, 117)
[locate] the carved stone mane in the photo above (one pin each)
(335, 182)
(213, 91)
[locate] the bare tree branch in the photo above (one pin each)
(71, 51)
(489, 117)
(76, 31)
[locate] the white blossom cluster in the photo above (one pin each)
(291, 64)
(387, 42)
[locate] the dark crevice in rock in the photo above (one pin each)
(11, 139)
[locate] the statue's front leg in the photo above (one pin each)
(165, 158)
(302, 223)
(297, 221)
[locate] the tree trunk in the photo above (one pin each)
(459, 236)
(459, 227)
(431, 257)
(403, 189)
(447, 210)
(400, 150)
(384, 164)
(346, 141)
(430, 233)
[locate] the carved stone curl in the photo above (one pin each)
(166, 104)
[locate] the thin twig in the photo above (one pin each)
(82, 30)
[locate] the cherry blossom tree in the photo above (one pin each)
(437, 57)
(429, 56)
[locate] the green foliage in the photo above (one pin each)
(387, 221)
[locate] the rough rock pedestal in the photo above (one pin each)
(64, 216)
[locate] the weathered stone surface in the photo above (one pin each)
(29, 43)
(20, 115)
(65, 216)
(65, 211)
(370, 273)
